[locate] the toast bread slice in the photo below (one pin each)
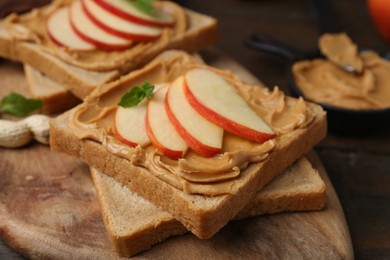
(56, 98)
(135, 225)
(202, 215)
(201, 33)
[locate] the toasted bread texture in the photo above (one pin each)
(134, 224)
(56, 98)
(81, 79)
(203, 215)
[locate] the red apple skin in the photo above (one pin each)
(122, 139)
(54, 39)
(167, 152)
(127, 16)
(194, 144)
(224, 122)
(129, 36)
(98, 44)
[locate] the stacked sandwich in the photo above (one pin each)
(174, 145)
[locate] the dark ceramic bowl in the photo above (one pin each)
(340, 120)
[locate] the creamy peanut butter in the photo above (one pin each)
(340, 49)
(94, 120)
(323, 81)
(31, 27)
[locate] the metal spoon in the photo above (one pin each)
(326, 19)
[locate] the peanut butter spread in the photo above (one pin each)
(325, 81)
(340, 49)
(94, 120)
(31, 27)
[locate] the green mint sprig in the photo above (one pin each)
(17, 105)
(137, 94)
(145, 6)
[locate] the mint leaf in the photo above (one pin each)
(136, 94)
(17, 105)
(145, 6)
(148, 88)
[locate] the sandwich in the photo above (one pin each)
(203, 182)
(197, 169)
(55, 97)
(134, 224)
(73, 42)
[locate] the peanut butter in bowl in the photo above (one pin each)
(324, 81)
(352, 86)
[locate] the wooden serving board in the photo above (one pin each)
(49, 209)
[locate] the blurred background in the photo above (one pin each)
(359, 167)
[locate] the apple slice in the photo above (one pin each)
(130, 125)
(160, 130)
(118, 26)
(92, 33)
(126, 10)
(218, 101)
(61, 33)
(204, 137)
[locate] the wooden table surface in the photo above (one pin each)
(359, 167)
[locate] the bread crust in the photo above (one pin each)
(55, 97)
(200, 34)
(299, 188)
(79, 81)
(202, 215)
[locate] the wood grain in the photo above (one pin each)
(48, 209)
(358, 167)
